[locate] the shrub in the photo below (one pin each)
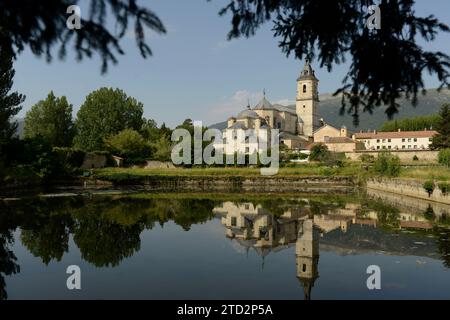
(444, 187)
(367, 158)
(388, 165)
(319, 152)
(429, 187)
(444, 157)
(297, 156)
(69, 157)
(130, 145)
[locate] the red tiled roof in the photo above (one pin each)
(339, 140)
(395, 134)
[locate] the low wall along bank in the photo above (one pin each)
(410, 188)
(404, 155)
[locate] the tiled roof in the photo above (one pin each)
(281, 108)
(237, 125)
(247, 114)
(395, 134)
(307, 72)
(264, 104)
(339, 140)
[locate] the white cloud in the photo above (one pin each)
(231, 105)
(221, 45)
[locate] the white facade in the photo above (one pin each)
(398, 140)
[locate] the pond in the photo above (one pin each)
(224, 246)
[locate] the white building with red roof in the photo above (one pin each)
(396, 140)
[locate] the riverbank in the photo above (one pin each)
(304, 178)
(413, 188)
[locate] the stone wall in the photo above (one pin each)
(410, 204)
(410, 188)
(237, 184)
(404, 155)
(94, 161)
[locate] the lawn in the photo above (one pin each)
(304, 170)
(437, 173)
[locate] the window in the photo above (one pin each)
(304, 107)
(247, 207)
(378, 140)
(378, 147)
(247, 149)
(403, 140)
(430, 139)
(224, 140)
(409, 147)
(389, 147)
(304, 88)
(384, 140)
(409, 139)
(415, 147)
(304, 268)
(279, 125)
(403, 147)
(384, 147)
(389, 140)
(415, 139)
(233, 221)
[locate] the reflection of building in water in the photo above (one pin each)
(253, 226)
(307, 255)
(256, 227)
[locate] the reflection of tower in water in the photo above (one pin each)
(307, 255)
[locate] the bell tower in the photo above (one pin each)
(307, 102)
(307, 256)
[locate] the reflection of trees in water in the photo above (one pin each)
(107, 229)
(8, 265)
(443, 243)
(103, 242)
(49, 237)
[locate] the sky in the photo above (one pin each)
(194, 72)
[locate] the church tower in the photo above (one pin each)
(307, 256)
(307, 102)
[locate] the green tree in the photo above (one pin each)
(161, 149)
(319, 152)
(52, 119)
(412, 124)
(106, 112)
(9, 101)
(150, 130)
(442, 140)
(387, 164)
(129, 144)
(444, 157)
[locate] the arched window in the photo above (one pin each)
(304, 88)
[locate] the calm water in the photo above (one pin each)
(182, 246)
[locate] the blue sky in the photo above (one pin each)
(195, 72)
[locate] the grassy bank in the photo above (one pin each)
(438, 173)
(303, 171)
